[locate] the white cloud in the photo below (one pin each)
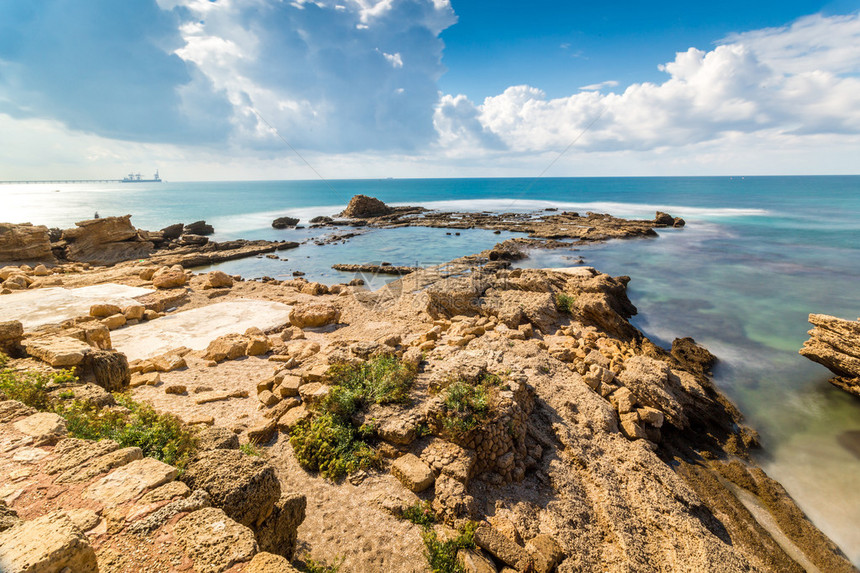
(600, 86)
(745, 86)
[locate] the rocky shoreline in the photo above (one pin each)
(835, 343)
(529, 416)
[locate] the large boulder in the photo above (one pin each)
(48, 543)
(285, 222)
(245, 487)
(213, 541)
(24, 242)
(313, 314)
(364, 207)
(172, 231)
(105, 241)
(109, 369)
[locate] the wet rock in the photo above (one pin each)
(694, 358)
(46, 544)
(24, 242)
(284, 222)
(245, 487)
(198, 228)
(214, 541)
(364, 207)
(664, 219)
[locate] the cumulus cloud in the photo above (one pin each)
(330, 74)
(796, 80)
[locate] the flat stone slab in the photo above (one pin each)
(127, 482)
(53, 305)
(197, 327)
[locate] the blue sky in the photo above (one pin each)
(423, 88)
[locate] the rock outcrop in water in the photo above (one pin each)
(364, 207)
(835, 343)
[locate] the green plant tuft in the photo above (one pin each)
(250, 450)
(467, 406)
(442, 555)
(312, 566)
(564, 302)
(420, 513)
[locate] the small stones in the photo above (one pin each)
(413, 473)
(267, 398)
(176, 389)
(104, 310)
(148, 379)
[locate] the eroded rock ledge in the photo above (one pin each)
(835, 343)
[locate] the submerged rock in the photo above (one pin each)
(284, 222)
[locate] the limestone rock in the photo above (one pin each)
(104, 310)
(546, 553)
(87, 393)
(11, 334)
(245, 487)
(101, 464)
(58, 351)
(693, 357)
(114, 321)
(313, 315)
(217, 438)
(413, 473)
(169, 278)
(109, 370)
(167, 492)
(24, 242)
(294, 417)
(46, 427)
(284, 222)
(262, 432)
(227, 347)
(364, 207)
(173, 231)
(835, 343)
(264, 562)
(51, 543)
(168, 362)
(218, 279)
(105, 241)
(197, 500)
(129, 481)
(505, 550)
(73, 452)
(473, 561)
(8, 517)
(279, 531)
(148, 379)
(214, 541)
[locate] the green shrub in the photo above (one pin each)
(250, 450)
(467, 406)
(331, 446)
(3, 360)
(564, 302)
(161, 436)
(420, 514)
(331, 443)
(442, 555)
(382, 380)
(312, 566)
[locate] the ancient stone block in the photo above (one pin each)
(412, 472)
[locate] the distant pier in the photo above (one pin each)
(62, 181)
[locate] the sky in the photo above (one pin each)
(259, 89)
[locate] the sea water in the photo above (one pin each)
(757, 256)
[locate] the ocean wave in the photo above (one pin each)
(615, 208)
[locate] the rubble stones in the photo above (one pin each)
(412, 472)
(505, 550)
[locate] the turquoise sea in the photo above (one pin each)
(757, 256)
